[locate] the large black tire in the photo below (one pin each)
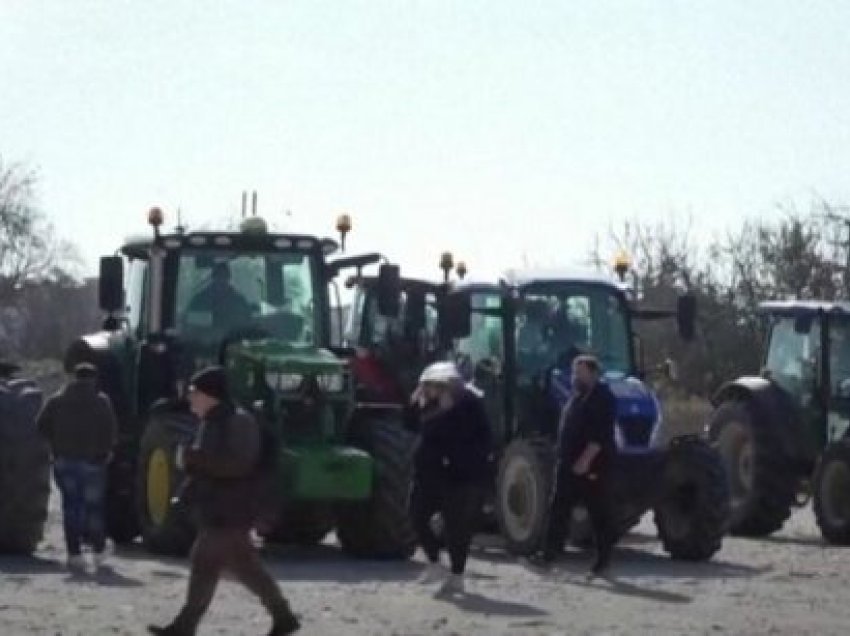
(24, 471)
(167, 526)
(693, 512)
(832, 493)
(380, 528)
(523, 487)
(763, 485)
(122, 521)
(301, 524)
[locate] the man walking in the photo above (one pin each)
(452, 466)
(80, 428)
(223, 467)
(585, 449)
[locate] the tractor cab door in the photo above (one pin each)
(838, 378)
(481, 358)
(796, 363)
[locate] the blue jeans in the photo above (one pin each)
(82, 485)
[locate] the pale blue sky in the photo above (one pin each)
(515, 126)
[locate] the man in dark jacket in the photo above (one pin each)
(586, 448)
(223, 467)
(452, 466)
(79, 425)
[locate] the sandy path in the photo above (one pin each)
(790, 584)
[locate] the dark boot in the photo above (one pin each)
(285, 625)
(169, 630)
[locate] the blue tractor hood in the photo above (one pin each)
(638, 410)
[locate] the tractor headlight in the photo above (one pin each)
(331, 382)
(284, 381)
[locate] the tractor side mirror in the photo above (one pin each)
(415, 311)
(111, 284)
(686, 315)
(388, 291)
(456, 316)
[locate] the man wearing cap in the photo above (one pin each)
(223, 467)
(79, 425)
(585, 451)
(452, 465)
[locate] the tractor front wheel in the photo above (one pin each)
(832, 493)
(380, 528)
(523, 488)
(694, 510)
(763, 485)
(166, 525)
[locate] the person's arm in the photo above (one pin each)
(110, 424)
(238, 460)
(601, 414)
(44, 421)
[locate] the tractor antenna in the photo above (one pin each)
(254, 203)
(244, 203)
(180, 229)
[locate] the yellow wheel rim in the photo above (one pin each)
(159, 486)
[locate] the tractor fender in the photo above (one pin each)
(99, 349)
(771, 406)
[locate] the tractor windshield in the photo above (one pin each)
(222, 293)
(557, 321)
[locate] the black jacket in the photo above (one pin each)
(455, 445)
(588, 419)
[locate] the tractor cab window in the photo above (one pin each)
(485, 340)
(271, 294)
(415, 328)
(136, 293)
(792, 358)
(558, 321)
(839, 357)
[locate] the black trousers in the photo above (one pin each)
(460, 507)
(571, 490)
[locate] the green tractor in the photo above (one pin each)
(258, 303)
(788, 428)
(24, 465)
(516, 341)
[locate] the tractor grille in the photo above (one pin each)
(635, 429)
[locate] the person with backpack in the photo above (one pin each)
(224, 467)
(452, 466)
(80, 427)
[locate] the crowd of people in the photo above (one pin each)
(453, 466)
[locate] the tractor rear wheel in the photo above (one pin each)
(832, 493)
(380, 528)
(763, 488)
(167, 527)
(693, 513)
(24, 471)
(523, 487)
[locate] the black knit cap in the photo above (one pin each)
(211, 381)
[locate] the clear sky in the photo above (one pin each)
(489, 127)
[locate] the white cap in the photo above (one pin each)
(441, 373)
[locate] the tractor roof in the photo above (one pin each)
(795, 308)
(525, 277)
(406, 283)
(139, 247)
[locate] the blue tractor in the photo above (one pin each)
(516, 340)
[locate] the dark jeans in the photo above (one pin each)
(460, 507)
(217, 550)
(570, 491)
(82, 486)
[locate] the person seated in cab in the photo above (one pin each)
(228, 307)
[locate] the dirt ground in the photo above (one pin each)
(789, 584)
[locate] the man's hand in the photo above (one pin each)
(581, 467)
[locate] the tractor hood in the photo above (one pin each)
(275, 355)
(638, 411)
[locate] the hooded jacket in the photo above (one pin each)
(79, 423)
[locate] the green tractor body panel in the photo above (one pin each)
(326, 473)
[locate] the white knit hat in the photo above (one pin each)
(441, 373)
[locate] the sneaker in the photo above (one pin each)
(453, 585)
(433, 573)
(285, 626)
(76, 563)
